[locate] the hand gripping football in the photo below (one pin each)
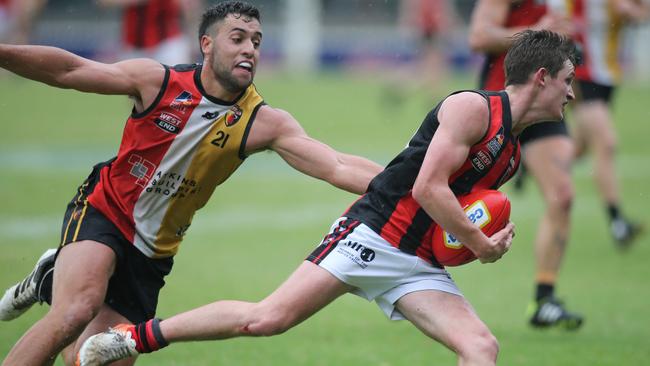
(489, 209)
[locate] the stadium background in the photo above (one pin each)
(267, 218)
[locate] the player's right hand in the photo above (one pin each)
(500, 244)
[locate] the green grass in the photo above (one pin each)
(262, 222)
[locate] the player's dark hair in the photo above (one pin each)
(533, 50)
(220, 11)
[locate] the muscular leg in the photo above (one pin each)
(81, 276)
(450, 319)
(549, 160)
(306, 291)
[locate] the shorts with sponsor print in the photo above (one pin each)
(356, 255)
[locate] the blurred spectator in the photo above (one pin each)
(158, 29)
(433, 22)
(16, 19)
(599, 32)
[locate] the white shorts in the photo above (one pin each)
(358, 256)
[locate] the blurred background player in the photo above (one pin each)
(599, 31)
(547, 148)
(158, 29)
(432, 24)
(16, 19)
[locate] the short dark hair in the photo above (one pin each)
(220, 11)
(533, 50)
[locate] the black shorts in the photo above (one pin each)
(134, 287)
(590, 91)
(543, 129)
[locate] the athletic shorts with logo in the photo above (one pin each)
(134, 287)
(356, 255)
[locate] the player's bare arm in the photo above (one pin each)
(277, 130)
(632, 10)
(487, 32)
(463, 122)
(138, 78)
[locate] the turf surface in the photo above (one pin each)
(262, 222)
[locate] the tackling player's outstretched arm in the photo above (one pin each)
(463, 122)
(285, 136)
(63, 69)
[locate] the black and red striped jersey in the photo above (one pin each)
(388, 207)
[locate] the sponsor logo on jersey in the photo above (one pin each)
(168, 122)
(141, 168)
(485, 158)
(182, 101)
(233, 115)
(478, 214)
(495, 143)
(478, 164)
(210, 115)
(173, 185)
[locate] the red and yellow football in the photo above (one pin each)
(489, 209)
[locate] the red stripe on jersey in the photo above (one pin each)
(400, 219)
(496, 116)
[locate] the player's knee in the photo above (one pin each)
(608, 146)
(561, 199)
(76, 313)
(481, 349)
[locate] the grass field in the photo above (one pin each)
(267, 218)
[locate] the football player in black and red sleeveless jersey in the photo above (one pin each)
(547, 147)
(380, 248)
(192, 126)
